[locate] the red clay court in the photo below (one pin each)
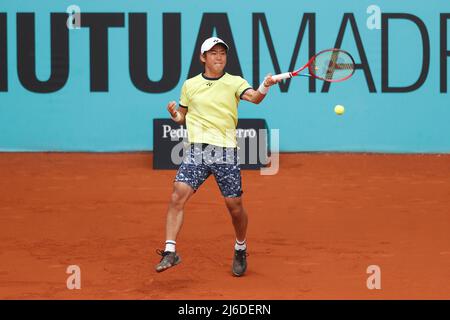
(314, 229)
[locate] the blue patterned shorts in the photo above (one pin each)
(202, 160)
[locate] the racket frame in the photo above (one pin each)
(308, 65)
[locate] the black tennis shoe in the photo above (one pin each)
(169, 259)
(239, 262)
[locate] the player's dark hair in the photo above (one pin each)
(199, 59)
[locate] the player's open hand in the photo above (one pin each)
(269, 81)
(171, 107)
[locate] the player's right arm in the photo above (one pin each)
(256, 96)
(177, 115)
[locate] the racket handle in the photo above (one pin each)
(282, 76)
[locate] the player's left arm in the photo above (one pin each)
(256, 96)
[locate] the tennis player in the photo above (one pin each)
(208, 107)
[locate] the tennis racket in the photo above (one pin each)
(332, 65)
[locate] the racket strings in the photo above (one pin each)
(345, 66)
(332, 65)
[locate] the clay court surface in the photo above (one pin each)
(314, 229)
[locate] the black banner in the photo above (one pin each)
(229, 309)
(252, 136)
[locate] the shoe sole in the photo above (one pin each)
(238, 274)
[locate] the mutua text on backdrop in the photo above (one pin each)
(98, 24)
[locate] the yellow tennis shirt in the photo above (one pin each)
(212, 108)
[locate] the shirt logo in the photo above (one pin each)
(209, 84)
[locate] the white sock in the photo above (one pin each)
(170, 245)
(240, 245)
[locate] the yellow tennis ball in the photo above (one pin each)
(339, 109)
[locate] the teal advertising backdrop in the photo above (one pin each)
(98, 85)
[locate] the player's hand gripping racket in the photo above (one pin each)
(332, 65)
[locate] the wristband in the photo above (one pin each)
(177, 117)
(263, 89)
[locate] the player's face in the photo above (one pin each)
(216, 59)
